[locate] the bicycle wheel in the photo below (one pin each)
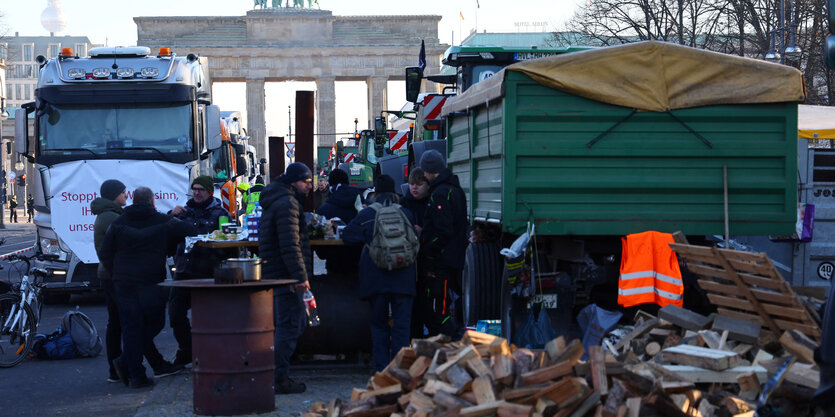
(17, 330)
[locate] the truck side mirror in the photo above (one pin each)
(241, 167)
(262, 166)
(340, 151)
(413, 79)
(214, 137)
(21, 131)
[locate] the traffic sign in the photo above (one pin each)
(11, 175)
(11, 180)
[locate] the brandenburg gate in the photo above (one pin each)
(288, 43)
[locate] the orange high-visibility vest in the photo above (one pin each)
(649, 271)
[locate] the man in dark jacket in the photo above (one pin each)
(107, 208)
(285, 249)
(202, 211)
(320, 194)
(443, 242)
(415, 198)
(385, 290)
(30, 207)
(342, 198)
(13, 209)
(134, 251)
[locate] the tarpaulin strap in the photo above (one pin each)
(702, 138)
(600, 136)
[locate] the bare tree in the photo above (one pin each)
(749, 28)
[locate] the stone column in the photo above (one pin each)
(325, 111)
(256, 124)
(376, 98)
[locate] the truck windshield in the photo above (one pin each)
(134, 131)
(220, 163)
(472, 74)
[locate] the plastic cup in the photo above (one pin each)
(220, 221)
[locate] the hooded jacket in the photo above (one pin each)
(201, 261)
(106, 212)
(417, 207)
(283, 243)
(340, 203)
(136, 244)
(444, 236)
(372, 279)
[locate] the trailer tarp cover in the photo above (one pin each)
(651, 76)
(815, 122)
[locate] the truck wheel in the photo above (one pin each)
(481, 282)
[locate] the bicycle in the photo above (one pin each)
(20, 312)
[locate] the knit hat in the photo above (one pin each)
(337, 176)
(384, 184)
(432, 161)
(111, 189)
(205, 181)
(296, 171)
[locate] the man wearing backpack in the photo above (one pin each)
(443, 242)
(387, 269)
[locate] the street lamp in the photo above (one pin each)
(4, 114)
(779, 35)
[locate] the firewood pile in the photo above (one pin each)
(677, 364)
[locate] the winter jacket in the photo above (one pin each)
(340, 203)
(201, 261)
(319, 197)
(283, 241)
(106, 212)
(444, 236)
(137, 242)
(374, 280)
(417, 207)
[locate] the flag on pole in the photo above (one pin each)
(461, 14)
(422, 56)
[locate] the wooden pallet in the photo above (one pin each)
(747, 286)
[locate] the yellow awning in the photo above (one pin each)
(815, 122)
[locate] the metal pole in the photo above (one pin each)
(3, 161)
(725, 190)
(782, 30)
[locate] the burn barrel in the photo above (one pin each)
(232, 346)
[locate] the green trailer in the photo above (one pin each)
(595, 145)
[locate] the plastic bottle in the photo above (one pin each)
(254, 223)
(310, 308)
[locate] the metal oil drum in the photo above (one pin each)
(232, 354)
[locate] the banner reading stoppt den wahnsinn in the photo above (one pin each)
(74, 185)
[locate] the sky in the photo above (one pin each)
(112, 22)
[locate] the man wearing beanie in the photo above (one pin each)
(443, 242)
(107, 208)
(134, 250)
(386, 291)
(285, 252)
(342, 198)
(202, 211)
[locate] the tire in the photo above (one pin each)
(16, 342)
(482, 283)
